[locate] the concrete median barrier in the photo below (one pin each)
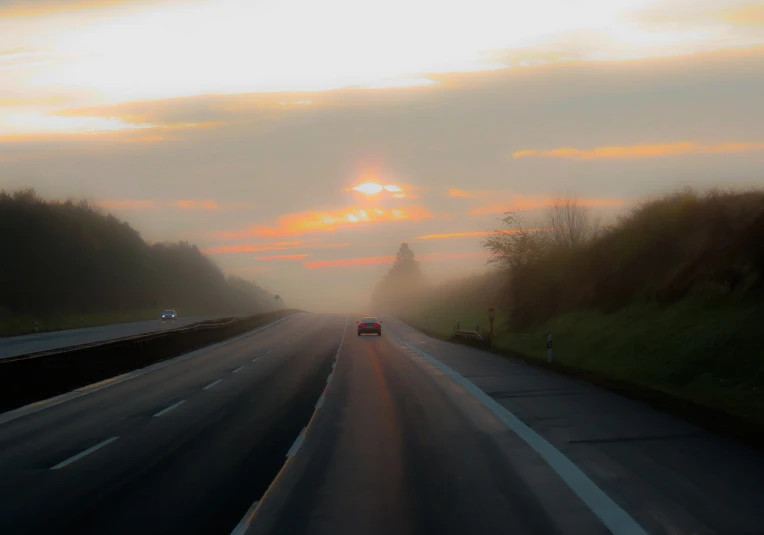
(29, 378)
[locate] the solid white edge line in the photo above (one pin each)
(243, 525)
(320, 402)
(171, 407)
(237, 370)
(618, 521)
(213, 383)
(43, 404)
(82, 454)
(329, 379)
(297, 443)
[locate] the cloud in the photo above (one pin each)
(524, 202)
(127, 204)
(273, 246)
(283, 257)
(692, 13)
(642, 151)
(328, 221)
(465, 194)
(37, 8)
(381, 260)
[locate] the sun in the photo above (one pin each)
(372, 188)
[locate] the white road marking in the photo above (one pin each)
(38, 406)
(329, 379)
(249, 517)
(297, 443)
(242, 527)
(171, 407)
(254, 359)
(212, 384)
(82, 454)
(334, 364)
(618, 521)
(320, 402)
(268, 351)
(237, 370)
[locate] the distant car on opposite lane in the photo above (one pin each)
(168, 315)
(369, 325)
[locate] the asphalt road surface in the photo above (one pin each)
(304, 427)
(32, 343)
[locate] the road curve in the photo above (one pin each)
(32, 343)
(183, 449)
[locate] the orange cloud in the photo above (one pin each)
(475, 234)
(38, 8)
(309, 222)
(273, 246)
(751, 15)
(283, 257)
(641, 151)
(464, 194)
(378, 260)
(522, 202)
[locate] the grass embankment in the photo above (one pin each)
(665, 306)
(700, 352)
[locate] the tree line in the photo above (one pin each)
(72, 258)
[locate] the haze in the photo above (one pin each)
(299, 143)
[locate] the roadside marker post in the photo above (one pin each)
(549, 348)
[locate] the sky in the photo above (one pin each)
(298, 143)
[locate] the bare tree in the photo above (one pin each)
(571, 224)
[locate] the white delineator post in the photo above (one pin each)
(549, 348)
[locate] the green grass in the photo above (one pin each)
(707, 353)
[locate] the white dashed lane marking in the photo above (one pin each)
(171, 407)
(212, 384)
(82, 454)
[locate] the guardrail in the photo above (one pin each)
(470, 337)
(28, 378)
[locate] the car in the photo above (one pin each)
(370, 325)
(168, 315)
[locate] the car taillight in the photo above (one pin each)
(362, 325)
(376, 324)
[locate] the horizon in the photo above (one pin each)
(301, 156)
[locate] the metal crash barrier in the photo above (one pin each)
(28, 378)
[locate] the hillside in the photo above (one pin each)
(67, 261)
(668, 298)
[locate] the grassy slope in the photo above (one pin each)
(709, 354)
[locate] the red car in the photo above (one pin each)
(369, 325)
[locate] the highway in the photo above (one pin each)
(32, 343)
(304, 427)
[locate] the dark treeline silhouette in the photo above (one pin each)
(70, 258)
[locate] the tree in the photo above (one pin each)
(571, 224)
(403, 281)
(518, 245)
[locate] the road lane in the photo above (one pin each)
(196, 468)
(673, 477)
(396, 448)
(32, 343)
